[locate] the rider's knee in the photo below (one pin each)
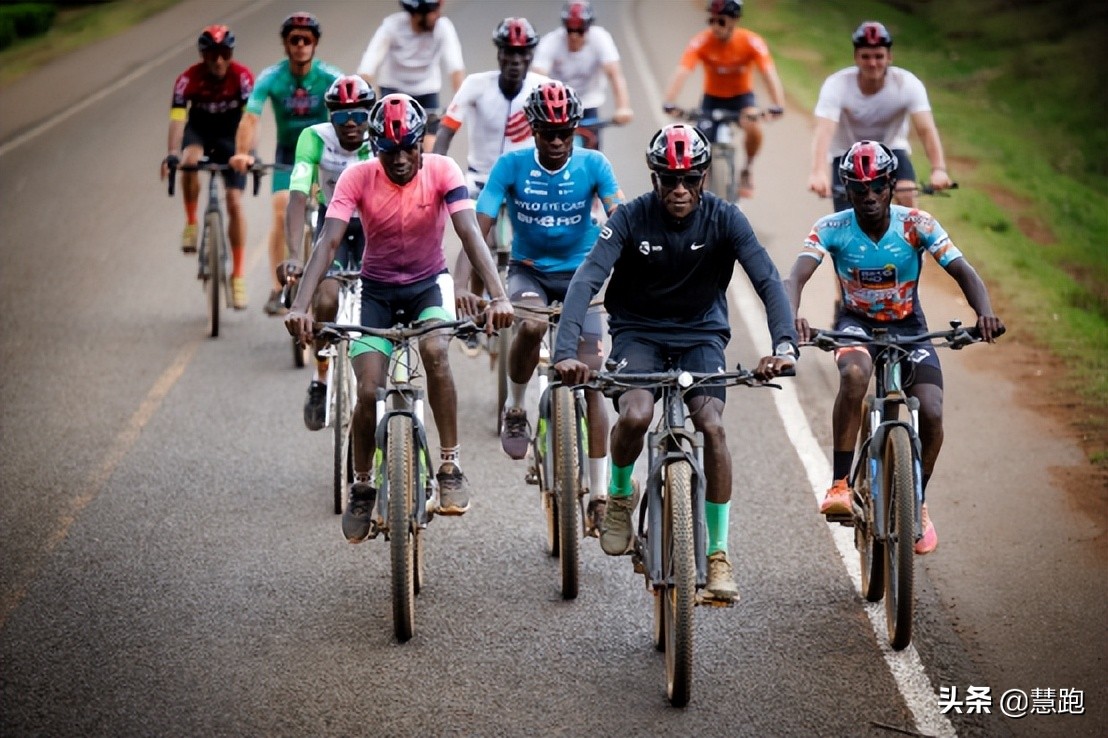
(853, 378)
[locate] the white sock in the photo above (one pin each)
(517, 394)
(598, 478)
(450, 455)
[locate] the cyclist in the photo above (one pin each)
(403, 197)
(208, 98)
(295, 88)
(576, 54)
(873, 100)
(549, 192)
(877, 251)
(671, 253)
(729, 54)
(406, 53)
(323, 151)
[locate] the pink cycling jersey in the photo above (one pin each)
(403, 225)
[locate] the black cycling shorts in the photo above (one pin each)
(921, 366)
(646, 353)
(219, 149)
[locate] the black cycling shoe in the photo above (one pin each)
(315, 407)
(357, 519)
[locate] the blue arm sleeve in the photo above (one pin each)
(496, 188)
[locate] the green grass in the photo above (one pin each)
(74, 27)
(1021, 112)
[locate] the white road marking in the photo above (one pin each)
(905, 666)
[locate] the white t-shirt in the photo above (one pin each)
(496, 124)
(400, 58)
(880, 117)
(582, 70)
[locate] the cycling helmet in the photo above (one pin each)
(419, 7)
(350, 91)
(678, 147)
(515, 33)
(303, 20)
(867, 160)
(872, 34)
(214, 37)
(733, 8)
(577, 15)
(553, 105)
(398, 119)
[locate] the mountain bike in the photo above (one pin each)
(887, 475)
(214, 269)
(342, 386)
(670, 550)
(723, 176)
(406, 488)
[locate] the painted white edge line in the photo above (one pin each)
(905, 666)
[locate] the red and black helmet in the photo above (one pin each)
(214, 37)
(420, 7)
(553, 105)
(678, 147)
(398, 120)
(732, 8)
(867, 160)
(303, 20)
(872, 34)
(577, 15)
(515, 33)
(349, 91)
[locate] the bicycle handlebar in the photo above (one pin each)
(716, 115)
(257, 169)
(955, 337)
(333, 332)
(607, 381)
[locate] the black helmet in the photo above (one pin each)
(733, 8)
(678, 147)
(214, 37)
(867, 160)
(577, 15)
(303, 20)
(553, 105)
(349, 91)
(419, 7)
(515, 33)
(398, 119)
(872, 34)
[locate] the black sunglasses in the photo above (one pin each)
(300, 40)
(717, 21)
(670, 181)
(576, 31)
(556, 134)
(219, 52)
(860, 188)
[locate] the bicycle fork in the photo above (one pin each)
(401, 400)
(882, 423)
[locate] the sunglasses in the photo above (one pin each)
(300, 40)
(386, 146)
(360, 116)
(556, 134)
(689, 179)
(860, 188)
(219, 53)
(576, 31)
(717, 21)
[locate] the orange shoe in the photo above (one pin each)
(930, 539)
(838, 500)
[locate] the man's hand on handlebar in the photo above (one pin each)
(775, 112)
(241, 162)
(572, 371)
(804, 331)
(467, 304)
(990, 327)
(169, 163)
(289, 272)
(299, 326)
(498, 314)
(671, 109)
(622, 116)
(775, 366)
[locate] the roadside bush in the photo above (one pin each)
(25, 20)
(7, 31)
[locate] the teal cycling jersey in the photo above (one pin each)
(881, 280)
(297, 101)
(550, 212)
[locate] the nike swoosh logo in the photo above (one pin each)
(697, 246)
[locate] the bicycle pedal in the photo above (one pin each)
(707, 600)
(636, 563)
(531, 477)
(845, 520)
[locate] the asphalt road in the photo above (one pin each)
(169, 564)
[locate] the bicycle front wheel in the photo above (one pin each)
(900, 544)
(341, 411)
(502, 342)
(679, 594)
(567, 474)
(871, 551)
(400, 465)
(721, 176)
(213, 238)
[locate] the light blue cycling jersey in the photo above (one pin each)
(881, 280)
(551, 212)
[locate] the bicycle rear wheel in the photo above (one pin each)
(400, 466)
(871, 551)
(721, 176)
(213, 238)
(900, 544)
(567, 474)
(342, 407)
(679, 596)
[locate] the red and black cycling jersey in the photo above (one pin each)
(214, 105)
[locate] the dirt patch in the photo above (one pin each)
(1020, 208)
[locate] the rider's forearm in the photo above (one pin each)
(676, 82)
(294, 218)
(443, 139)
(619, 86)
(246, 133)
(821, 143)
(175, 137)
(932, 145)
(973, 287)
(318, 262)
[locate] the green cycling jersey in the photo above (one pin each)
(297, 101)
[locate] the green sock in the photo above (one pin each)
(620, 484)
(718, 515)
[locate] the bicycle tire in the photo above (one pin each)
(567, 475)
(341, 410)
(400, 467)
(503, 341)
(900, 543)
(871, 552)
(300, 352)
(658, 634)
(214, 239)
(679, 564)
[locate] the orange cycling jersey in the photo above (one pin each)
(728, 65)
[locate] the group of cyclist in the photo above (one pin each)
(667, 255)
